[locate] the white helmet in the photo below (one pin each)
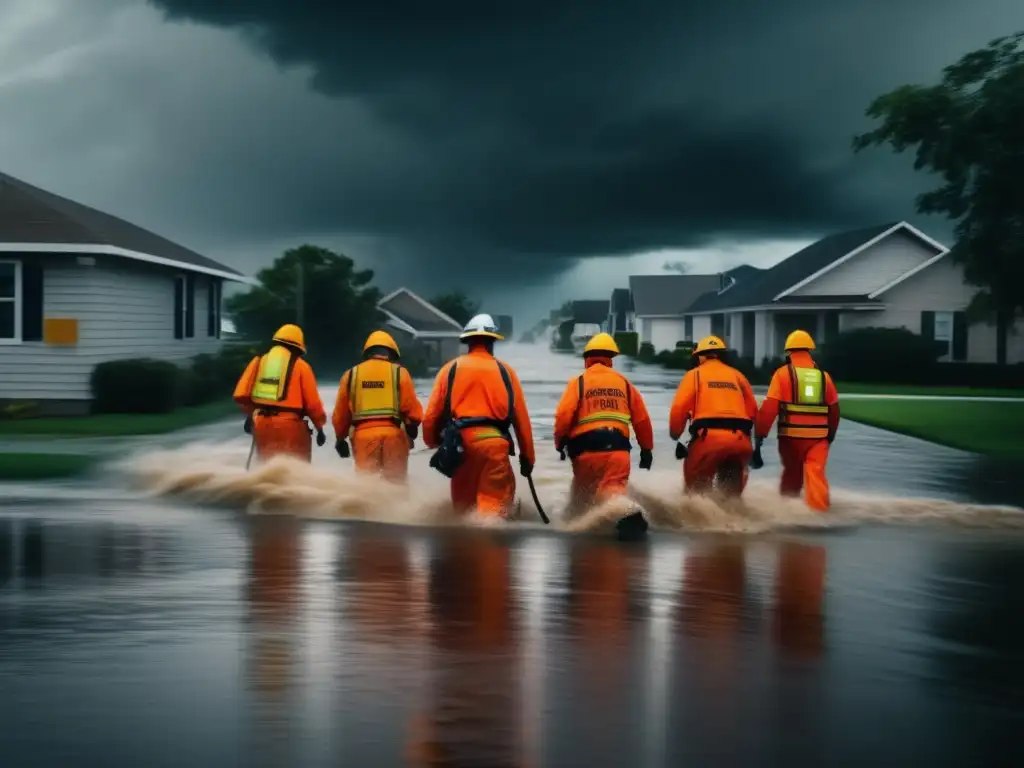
(481, 325)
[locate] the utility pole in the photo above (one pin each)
(299, 291)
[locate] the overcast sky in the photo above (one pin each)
(528, 152)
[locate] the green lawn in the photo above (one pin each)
(899, 389)
(122, 425)
(992, 428)
(43, 466)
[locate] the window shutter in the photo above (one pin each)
(190, 306)
(959, 336)
(211, 299)
(179, 305)
(31, 301)
(928, 325)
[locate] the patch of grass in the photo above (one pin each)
(991, 428)
(122, 424)
(901, 389)
(43, 466)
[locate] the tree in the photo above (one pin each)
(457, 306)
(336, 301)
(968, 131)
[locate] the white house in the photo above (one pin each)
(413, 320)
(659, 304)
(891, 275)
(79, 287)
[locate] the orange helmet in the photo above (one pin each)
(381, 339)
(291, 334)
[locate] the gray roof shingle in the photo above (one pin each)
(668, 294)
(32, 215)
(622, 300)
(760, 289)
(590, 311)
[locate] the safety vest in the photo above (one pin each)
(273, 377)
(719, 401)
(374, 391)
(603, 401)
(805, 415)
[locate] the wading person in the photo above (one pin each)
(377, 402)
(278, 393)
(476, 402)
(592, 423)
(719, 403)
(806, 403)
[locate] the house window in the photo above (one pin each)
(688, 328)
(10, 302)
(213, 302)
(184, 307)
(949, 329)
(944, 331)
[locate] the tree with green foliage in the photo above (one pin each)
(969, 131)
(333, 302)
(457, 305)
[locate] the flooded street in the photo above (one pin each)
(146, 619)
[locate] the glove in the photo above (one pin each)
(525, 467)
(756, 461)
(412, 429)
(321, 438)
(342, 448)
(646, 459)
(560, 447)
(680, 451)
(247, 426)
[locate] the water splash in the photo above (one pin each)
(214, 474)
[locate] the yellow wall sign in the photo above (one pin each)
(60, 330)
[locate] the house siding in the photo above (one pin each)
(938, 288)
(665, 332)
(124, 310)
(871, 269)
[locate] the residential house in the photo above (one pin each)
(660, 303)
(506, 326)
(416, 324)
(890, 275)
(620, 311)
(80, 287)
(589, 319)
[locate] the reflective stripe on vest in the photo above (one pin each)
(594, 417)
(374, 391)
(807, 415)
(272, 377)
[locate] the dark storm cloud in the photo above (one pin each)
(574, 127)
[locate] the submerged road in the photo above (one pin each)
(176, 631)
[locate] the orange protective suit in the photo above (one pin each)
(379, 441)
(484, 479)
(279, 425)
(803, 459)
(719, 402)
(608, 401)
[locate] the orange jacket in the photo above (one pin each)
(409, 404)
(712, 390)
(604, 390)
(302, 391)
(479, 392)
(780, 390)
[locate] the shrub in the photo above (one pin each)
(678, 359)
(627, 342)
(136, 386)
(646, 353)
(211, 377)
(885, 355)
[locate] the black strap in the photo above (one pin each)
(600, 440)
(731, 424)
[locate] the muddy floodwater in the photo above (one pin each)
(175, 610)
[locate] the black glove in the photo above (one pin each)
(680, 451)
(756, 461)
(342, 448)
(247, 426)
(646, 459)
(525, 467)
(560, 447)
(321, 438)
(412, 429)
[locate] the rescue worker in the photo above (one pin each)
(377, 401)
(278, 393)
(807, 404)
(476, 400)
(719, 403)
(592, 423)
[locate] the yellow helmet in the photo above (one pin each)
(602, 343)
(799, 340)
(291, 334)
(381, 339)
(709, 344)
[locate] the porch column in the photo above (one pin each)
(735, 332)
(762, 331)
